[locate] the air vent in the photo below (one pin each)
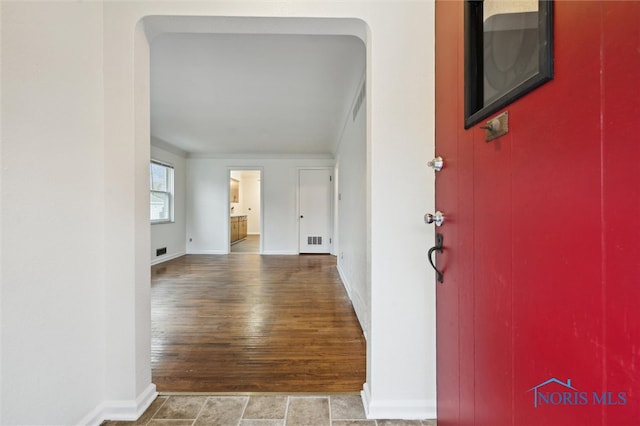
(314, 241)
(359, 100)
(161, 251)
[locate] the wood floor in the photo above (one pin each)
(254, 323)
(251, 244)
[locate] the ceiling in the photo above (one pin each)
(253, 94)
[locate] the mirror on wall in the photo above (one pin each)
(234, 190)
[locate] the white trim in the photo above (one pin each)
(162, 221)
(332, 219)
(167, 257)
(207, 252)
(262, 156)
(365, 395)
(162, 144)
(170, 191)
(259, 169)
(127, 410)
(162, 163)
(279, 253)
(356, 302)
(405, 409)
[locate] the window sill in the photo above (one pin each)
(162, 222)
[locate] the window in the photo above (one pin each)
(508, 53)
(161, 184)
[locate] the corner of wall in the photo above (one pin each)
(126, 410)
(406, 409)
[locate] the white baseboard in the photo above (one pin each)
(281, 253)
(207, 252)
(126, 410)
(365, 394)
(405, 409)
(269, 252)
(356, 301)
(167, 257)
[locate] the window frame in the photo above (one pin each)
(474, 109)
(170, 192)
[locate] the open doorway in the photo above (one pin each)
(245, 207)
(267, 105)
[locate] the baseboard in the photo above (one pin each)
(124, 410)
(365, 394)
(167, 257)
(207, 252)
(405, 409)
(269, 252)
(357, 303)
(281, 253)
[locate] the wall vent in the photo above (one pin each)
(314, 241)
(161, 251)
(361, 95)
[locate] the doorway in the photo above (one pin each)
(210, 201)
(314, 207)
(245, 211)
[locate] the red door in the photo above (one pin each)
(538, 315)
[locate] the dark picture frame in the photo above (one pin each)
(530, 62)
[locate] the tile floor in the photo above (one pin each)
(261, 410)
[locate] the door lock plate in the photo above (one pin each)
(496, 127)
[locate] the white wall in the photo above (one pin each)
(352, 214)
(75, 278)
(53, 211)
(208, 207)
(171, 235)
(400, 107)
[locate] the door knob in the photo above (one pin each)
(437, 218)
(437, 163)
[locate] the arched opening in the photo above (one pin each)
(350, 245)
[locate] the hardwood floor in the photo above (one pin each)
(254, 324)
(251, 244)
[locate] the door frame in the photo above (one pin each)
(332, 219)
(228, 202)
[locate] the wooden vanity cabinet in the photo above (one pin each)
(242, 225)
(238, 228)
(235, 230)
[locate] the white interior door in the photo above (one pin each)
(315, 210)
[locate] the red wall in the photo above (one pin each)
(542, 241)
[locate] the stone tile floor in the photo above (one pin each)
(261, 410)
